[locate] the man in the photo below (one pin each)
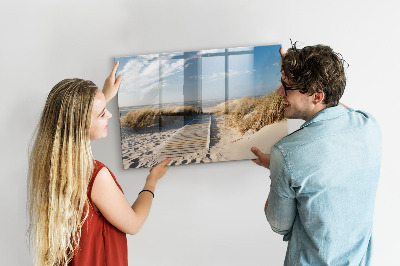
(323, 176)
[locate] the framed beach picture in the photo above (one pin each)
(200, 106)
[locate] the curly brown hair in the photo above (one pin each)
(316, 69)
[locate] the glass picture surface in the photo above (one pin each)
(200, 106)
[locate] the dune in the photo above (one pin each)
(237, 147)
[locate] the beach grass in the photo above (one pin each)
(251, 113)
(146, 117)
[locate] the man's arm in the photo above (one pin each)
(280, 208)
(280, 213)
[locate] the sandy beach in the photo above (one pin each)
(140, 148)
(234, 146)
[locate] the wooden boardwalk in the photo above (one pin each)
(191, 138)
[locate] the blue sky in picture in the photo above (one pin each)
(159, 78)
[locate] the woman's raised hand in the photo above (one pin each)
(111, 85)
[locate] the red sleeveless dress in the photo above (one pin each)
(101, 243)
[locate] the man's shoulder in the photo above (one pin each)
(365, 116)
(292, 142)
(361, 122)
(350, 122)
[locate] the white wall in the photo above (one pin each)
(208, 214)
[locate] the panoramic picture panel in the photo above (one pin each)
(200, 106)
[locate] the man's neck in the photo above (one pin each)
(318, 108)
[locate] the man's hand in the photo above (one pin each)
(281, 52)
(111, 85)
(263, 159)
(345, 106)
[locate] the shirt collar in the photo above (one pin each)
(326, 114)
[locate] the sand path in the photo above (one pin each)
(141, 149)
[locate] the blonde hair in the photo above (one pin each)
(60, 167)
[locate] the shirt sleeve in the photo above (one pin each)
(281, 210)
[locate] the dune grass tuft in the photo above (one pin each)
(252, 113)
(147, 117)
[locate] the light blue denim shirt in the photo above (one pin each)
(323, 183)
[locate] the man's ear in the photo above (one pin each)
(318, 97)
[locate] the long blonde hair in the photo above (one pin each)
(60, 168)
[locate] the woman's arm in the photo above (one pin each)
(114, 206)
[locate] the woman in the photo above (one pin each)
(78, 212)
